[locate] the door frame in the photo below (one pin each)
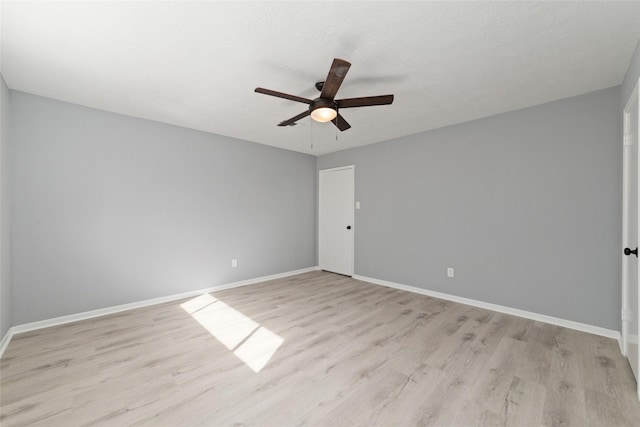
(352, 215)
(625, 223)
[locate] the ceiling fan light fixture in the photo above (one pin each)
(323, 110)
(324, 114)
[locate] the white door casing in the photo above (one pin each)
(631, 234)
(336, 211)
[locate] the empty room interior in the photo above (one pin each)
(319, 213)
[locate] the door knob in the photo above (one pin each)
(348, 227)
(628, 251)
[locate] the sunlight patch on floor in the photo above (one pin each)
(251, 342)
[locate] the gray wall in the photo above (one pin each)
(524, 205)
(631, 76)
(109, 209)
(6, 319)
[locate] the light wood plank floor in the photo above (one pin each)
(329, 351)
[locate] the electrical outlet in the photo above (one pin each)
(450, 272)
(234, 263)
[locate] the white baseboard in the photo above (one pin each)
(5, 341)
(609, 333)
(631, 339)
(124, 307)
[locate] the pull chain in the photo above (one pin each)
(337, 112)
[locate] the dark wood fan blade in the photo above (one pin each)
(341, 123)
(283, 95)
(366, 101)
(334, 79)
(294, 119)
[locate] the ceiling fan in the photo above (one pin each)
(325, 108)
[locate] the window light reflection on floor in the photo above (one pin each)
(251, 342)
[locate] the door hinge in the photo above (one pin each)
(626, 315)
(628, 139)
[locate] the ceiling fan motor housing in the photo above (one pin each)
(322, 103)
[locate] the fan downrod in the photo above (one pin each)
(319, 86)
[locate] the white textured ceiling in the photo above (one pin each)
(196, 64)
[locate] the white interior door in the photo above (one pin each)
(630, 237)
(335, 219)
